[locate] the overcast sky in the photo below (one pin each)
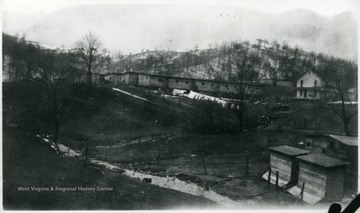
(324, 7)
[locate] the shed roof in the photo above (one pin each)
(322, 160)
(350, 141)
(289, 150)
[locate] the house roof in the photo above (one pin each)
(350, 141)
(289, 150)
(322, 160)
(306, 73)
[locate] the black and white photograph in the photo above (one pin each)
(180, 105)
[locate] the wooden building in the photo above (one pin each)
(158, 81)
(143, 80)
(130, 78)
(180, 83)
(283, 160)
(207, 85)
(96, 78)
(344, 148)
(173, 82)
(114, 78)
(336, 146)
(308, 85)
(323, 178)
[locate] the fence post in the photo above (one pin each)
(158, 159)
(247, 166)
(277, 180)
(158, 156)
(204, 164)
(269, 176)
(68, 149)
(302, 192)
(85, 154)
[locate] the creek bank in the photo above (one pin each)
(169, 182)
(172, 182)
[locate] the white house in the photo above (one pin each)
(308, 86)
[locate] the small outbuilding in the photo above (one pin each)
(341, 147)
(283, 160)
(323, 178)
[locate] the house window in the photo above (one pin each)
(305, 93)
(301, 83)
(301, 92)
(315, 83)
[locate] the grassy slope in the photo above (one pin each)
(108, 116)
(28, 162)
(124, 117)
(118, 118)
(180, 146)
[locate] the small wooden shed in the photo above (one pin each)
(341, 147)
(345, 148)
(283, 160)
(323, 178)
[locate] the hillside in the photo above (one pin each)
(120, 132)
(150, 135)
(266, 60)
(29, 162)
(164, 27)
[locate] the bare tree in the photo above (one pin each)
(90, 54)
(22, 58)
(243, 63)
(343, 76)
(56, 71)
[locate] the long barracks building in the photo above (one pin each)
(171, 82)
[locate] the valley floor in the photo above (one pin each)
(147, 138)
(30, 163)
